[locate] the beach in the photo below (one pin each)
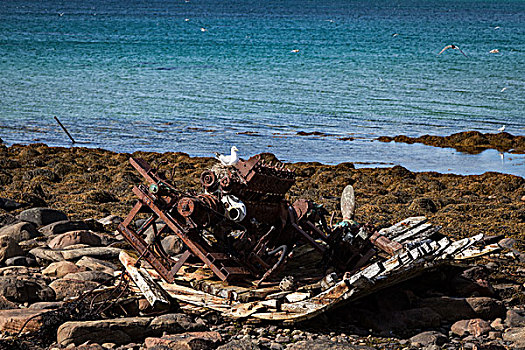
(88, 185)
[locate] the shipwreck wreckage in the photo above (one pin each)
(249, 253)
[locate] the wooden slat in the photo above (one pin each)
(402, 226)
(412, 232)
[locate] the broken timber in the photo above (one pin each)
(270, 303)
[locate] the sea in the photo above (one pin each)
(307, 80)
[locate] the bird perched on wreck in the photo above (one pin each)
(452, 46)
(232, 159)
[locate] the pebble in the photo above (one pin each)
(282, 339)
(276, 346)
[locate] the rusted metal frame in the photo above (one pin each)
(146, 224)
(151, 257)
(144, 169)
(291, 216)
(148, 172)
(132, 213)
(309, 238)
(158, 247)
(259, 260)
(179, 263)
(320, 233)
(195, 248)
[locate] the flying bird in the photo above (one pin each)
(452, 46)
(232, 159)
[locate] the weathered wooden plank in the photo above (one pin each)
(458, 246)
(150, 289)
(421, 237)
(402, 226)
(416, 231)
(474, 252)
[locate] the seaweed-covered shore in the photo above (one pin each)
(94, 183)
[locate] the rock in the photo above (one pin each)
(20, 261)
(514, 319)
(487, 308)
(74, 237)
(320, 344)
(9, 205)
(110, 222)
(99, 197)
(25, 289)
(475, 327)
(71, 288)
(497, 324)
(118, 331)
(20, 231)
(186, 341)
(507, 243)
(71, 254)
(97, 265)
(450, 309)
(60, 269)
(172, 245)
(12, 321)
(494, 335)
(516, 336)
(9, 248)
(146, 309)
(8, 219)
(428, 338)
(399, 321)
(63, 226)
(91, 347)
(239, 345)
(6, 304)
(95, 276)
(42, 216)
(14, 271)
(282, 339)
(423, 205)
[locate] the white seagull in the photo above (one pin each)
(232, 159)
(502, 128)
(452, 46)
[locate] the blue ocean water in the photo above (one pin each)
(198, 76)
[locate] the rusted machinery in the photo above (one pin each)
(241, 226)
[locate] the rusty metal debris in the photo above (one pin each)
(263, 257)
